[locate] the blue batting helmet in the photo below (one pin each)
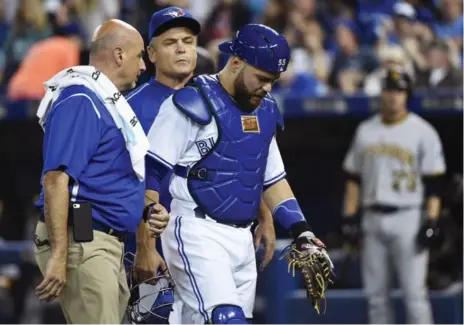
(259, 46)
(151, 300)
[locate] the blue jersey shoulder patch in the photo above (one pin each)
(190, 101)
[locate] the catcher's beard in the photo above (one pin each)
(243, 97)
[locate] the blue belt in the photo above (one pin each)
(99, 226)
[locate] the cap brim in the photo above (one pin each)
(402, 15)
(188, 22)
(395, 87)
(226, 47)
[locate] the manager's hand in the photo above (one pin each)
(158, 218)
(54, 280)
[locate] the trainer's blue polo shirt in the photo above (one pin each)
(81, 138)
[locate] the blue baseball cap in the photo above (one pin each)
(259, 46)
(170, 17)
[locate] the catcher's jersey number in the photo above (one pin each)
(404, 179)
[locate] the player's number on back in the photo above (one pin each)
(402, 178)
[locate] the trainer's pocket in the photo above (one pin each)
(42, 245)
(75, 254)
(41, 242)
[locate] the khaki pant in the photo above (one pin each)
(96, 290)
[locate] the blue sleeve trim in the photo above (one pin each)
(275, 179)
(63, 168)
(191, 103)
(287, 213)
(159, 159)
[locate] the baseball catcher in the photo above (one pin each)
(219, 183)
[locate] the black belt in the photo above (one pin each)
(200, 214)
(99, 226)
(386, 209)
(186, 172)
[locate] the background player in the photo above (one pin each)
(173, 50)
(222, 154)
(394, 159)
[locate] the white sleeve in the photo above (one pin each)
(353, 159)
(169, 134)
(432, 161)
(275, 169)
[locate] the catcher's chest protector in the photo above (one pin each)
(232, 187)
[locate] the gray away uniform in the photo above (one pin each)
(390, 160)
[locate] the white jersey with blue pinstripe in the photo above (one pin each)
(176, 139)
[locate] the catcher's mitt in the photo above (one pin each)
(309, 256)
